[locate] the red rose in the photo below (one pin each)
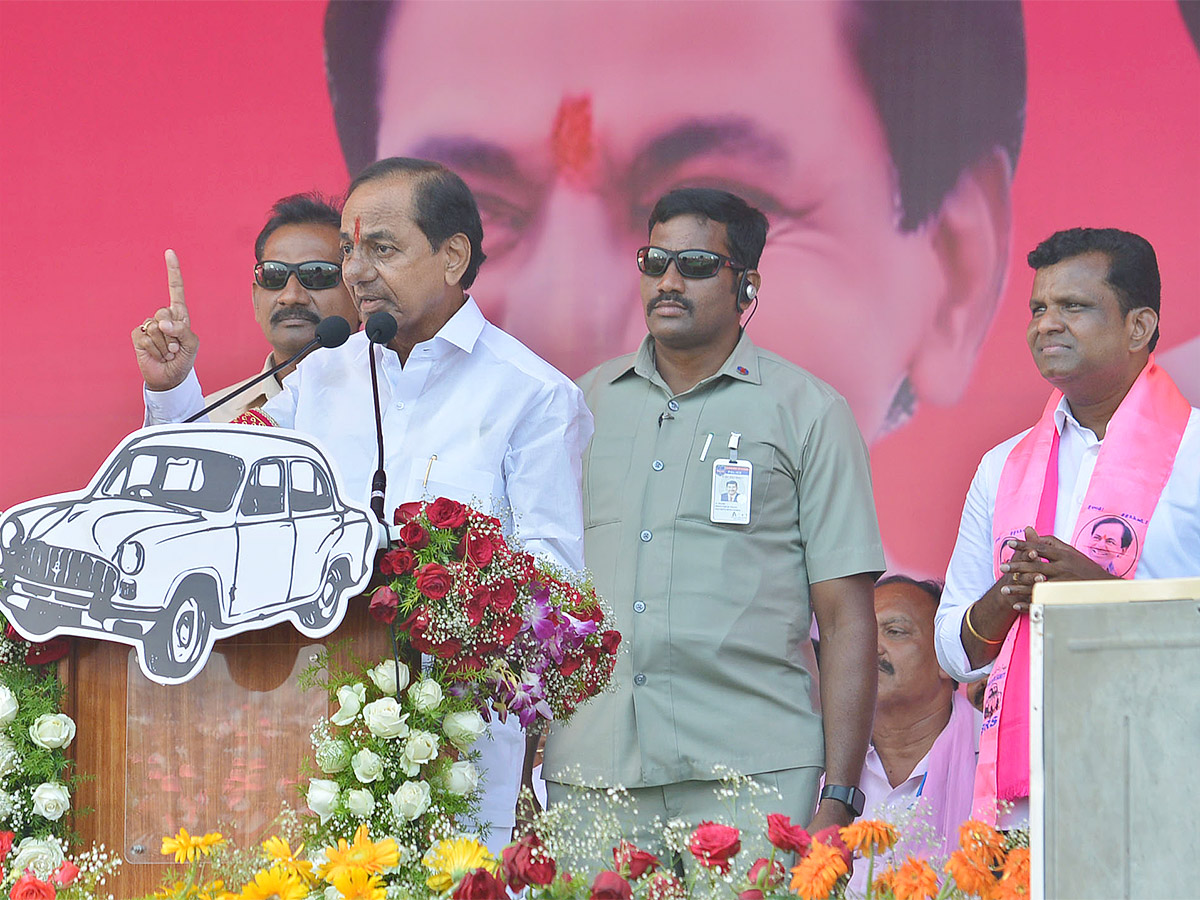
(30, 887)
(570, 665)
(65, 874)
(507, 629)
(527, 863)
(477, 605)
(766, 874)
(833, 838)
(610, 886)
(665, 887)
(384, 604)
(406, 512)
(51, 651)
(479, 548)
(786, 836)
(414, 535)
(610, 641)
(446, 513)
(433, 580)
(6, 842)
(480, 885)
(11, 633)
(504, 594)
(400, 561)
(632, 862)
(714, 845)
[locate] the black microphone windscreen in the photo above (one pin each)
(333, 331)
(381, 328)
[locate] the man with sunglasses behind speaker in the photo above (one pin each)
(712, 594)
(297, 283)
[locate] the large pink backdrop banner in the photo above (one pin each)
(907, 166)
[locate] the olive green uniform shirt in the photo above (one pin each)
(714, 616)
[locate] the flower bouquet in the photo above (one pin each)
(512, 633)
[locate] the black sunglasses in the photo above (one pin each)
(315, 274)
(691, 263)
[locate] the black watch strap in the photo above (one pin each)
(851, 797)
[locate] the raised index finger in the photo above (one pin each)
(179, 310)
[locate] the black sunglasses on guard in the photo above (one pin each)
(653, 261)
(315, 274)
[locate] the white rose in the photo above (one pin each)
(388, 678)
(10, 757)
(420, 748)
(368, 766)
(461, 778)
(8, 804)
(351, 697)
(8, 705)
(322, 797)
(410, 800)
(426, 695)
(333, 756)
(332, 893)
(464, 728)
(53, 731)
(51, 800)
(43, 855)
(360, 802)
(384, 718)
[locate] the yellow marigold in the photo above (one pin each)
(915, 880)
(359, 884)
(870, 836)
(971, 876)
(186, 846)
(275, 883)
(279, 850)
(818, 872)
(451, 859)
(362, 854)
(1014, 880)
(982, 843)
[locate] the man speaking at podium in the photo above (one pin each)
(1105, 485)
(468, 412)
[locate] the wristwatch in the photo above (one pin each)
(851, 797)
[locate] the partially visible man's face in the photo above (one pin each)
(288, 317)
(1104, 546)
(909, 674)
(569, 120)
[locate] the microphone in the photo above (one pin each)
(381, 328)
(332, 331)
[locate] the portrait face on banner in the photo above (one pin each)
(572, 124)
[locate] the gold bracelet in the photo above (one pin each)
(971, 628)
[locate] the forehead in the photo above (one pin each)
(904, 599)
(302, 242)
(383, 203)
(1077, 276)
(690, 232)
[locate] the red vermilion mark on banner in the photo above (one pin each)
(571, 139)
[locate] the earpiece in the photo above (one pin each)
(746, 291)
(751, 292)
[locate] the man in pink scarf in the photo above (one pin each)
(1111, 471)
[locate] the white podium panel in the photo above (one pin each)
(1115, 690)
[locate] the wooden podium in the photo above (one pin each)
(222, 752)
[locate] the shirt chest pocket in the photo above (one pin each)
(605, 475)
(432, 478)
(698, 483)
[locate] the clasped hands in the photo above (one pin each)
(1040, 558)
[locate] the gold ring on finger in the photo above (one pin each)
(147, 322)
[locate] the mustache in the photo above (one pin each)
(885, 666)
(305, 315)
(671, 298)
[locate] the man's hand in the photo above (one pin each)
(165, 344)
(830, 812)
(1046, 558)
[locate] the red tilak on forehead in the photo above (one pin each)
(572, 141)
(357, 229)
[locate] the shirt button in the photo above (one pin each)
(399, 404)
(639, 607)
(672, 406)
(657, 465)
(646, 535)
(639, 679)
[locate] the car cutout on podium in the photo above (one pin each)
(188, 534)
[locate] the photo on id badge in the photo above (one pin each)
(731, 492)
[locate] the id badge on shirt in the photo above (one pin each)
(731, 481)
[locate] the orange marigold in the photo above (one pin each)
(818, 872)
(915, 880)
(1014, 880)
(884, 882)
(870, 836)
(970, 876)
(982, 843)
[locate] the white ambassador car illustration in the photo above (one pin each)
(187, 534)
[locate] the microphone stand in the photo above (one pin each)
(379, 479)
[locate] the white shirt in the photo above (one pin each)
(1172, 547)
(473, 415)
(251, 399)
